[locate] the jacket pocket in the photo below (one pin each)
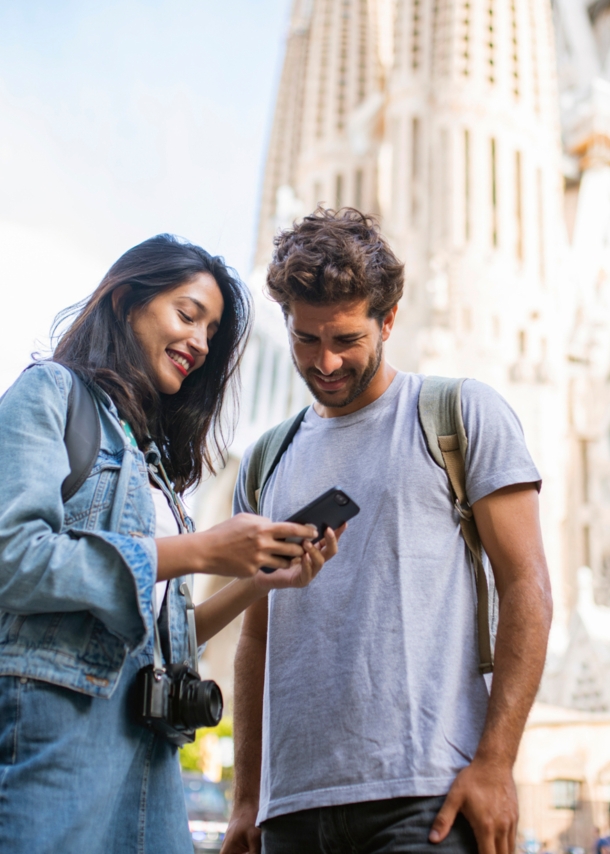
(92, 503)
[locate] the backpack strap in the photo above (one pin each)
(83, 435)
(440, 414)
(266, 455)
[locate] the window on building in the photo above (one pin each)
(339, 192)
(584, 471)
(541, 249)
(565, 794)
(586, 545)
(466, 38)
(415, 168)
(491, 42)
(416, 36)
(494, 195)
(317, 194)
(518, 206)
(467, 185)
(522, 342)
(444, 195)
(359, 189)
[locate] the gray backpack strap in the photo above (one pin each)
(440, 414)
(266, 455)
(83, 436)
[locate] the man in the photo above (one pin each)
(362, 723)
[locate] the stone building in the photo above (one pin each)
(479, 132)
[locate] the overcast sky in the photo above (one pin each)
(118, 120)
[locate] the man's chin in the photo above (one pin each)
(333, 399)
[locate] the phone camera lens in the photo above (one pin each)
(341, 499)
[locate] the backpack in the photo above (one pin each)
(440, 415)
(82, 437)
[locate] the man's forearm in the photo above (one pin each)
(249, 684)
(523, 628)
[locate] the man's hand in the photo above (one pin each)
(302, 570)
(243, 836)
(485, 794)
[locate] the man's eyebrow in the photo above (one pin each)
(303, 334)
(345, 337)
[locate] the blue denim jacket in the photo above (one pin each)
(76, 580)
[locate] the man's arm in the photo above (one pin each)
(242, 834)
(509, 527)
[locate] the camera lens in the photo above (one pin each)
(202, 704)
(341, 499)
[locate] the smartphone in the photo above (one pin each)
(329, 510)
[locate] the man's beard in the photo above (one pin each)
(360, 382)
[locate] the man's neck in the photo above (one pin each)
(378, 385)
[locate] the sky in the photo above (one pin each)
(121, 119)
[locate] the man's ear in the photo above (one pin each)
(388, 323)
(118, 295)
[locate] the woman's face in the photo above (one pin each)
(176, 327)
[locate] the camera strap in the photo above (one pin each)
(190, 618)
(192, 631)
(157, 654)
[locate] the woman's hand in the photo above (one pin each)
(217, 611)
(302, 570)
(237, 548)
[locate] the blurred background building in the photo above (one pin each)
(479, 132)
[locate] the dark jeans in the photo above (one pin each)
(394, 826)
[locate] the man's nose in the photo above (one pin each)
(327, 362)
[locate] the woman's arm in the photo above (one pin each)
(41, 569)
(238, 547)
(221, 608)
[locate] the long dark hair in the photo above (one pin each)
(100, 346)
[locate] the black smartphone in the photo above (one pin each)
(329, 510)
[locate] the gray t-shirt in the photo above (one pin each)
(372, 688)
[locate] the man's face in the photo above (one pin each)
(337, 349)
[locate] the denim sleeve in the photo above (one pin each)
(45, 571)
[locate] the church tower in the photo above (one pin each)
(328, 119)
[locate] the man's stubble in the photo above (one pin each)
(361, 382)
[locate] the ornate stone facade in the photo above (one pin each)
(479, 131)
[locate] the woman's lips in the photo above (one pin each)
(177, 359)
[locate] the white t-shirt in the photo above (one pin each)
(372, 688)
(166, 526)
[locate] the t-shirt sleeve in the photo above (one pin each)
(497, 455)
(240, 496)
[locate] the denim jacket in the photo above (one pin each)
(76, 580)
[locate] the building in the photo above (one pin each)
(480, 133)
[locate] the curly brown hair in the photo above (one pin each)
(335, 256)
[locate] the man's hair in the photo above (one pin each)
(335, 256)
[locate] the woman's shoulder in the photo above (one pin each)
(41, 382)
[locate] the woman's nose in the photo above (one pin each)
(199, 344)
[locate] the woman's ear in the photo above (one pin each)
(118, 295)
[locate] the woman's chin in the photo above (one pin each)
(166, 385)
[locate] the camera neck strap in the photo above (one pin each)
(192, 631)
(190, 619)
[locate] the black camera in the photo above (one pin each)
(175, 702)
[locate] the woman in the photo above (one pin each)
(82, 582)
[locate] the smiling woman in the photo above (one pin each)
(97, 627)
(164, 293)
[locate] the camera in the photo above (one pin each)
(175, 702)
(341, 499)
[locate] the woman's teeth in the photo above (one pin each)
(176, 357)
